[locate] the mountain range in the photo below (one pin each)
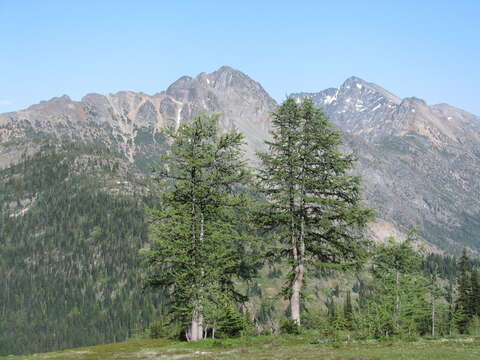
(420, 164)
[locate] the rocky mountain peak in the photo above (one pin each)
(126, 119)
(352, 81)
(183, 82)
(413, 101)
(227, 69)
(359, 87)
(64, 99)
(55, 102)
(226, 77)
(366, 109)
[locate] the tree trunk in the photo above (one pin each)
(195, 332)
(433, 316)
(296, 289)
(202, 273)
(200, 326)
(299, 271)
(298, 246)
(397, 299)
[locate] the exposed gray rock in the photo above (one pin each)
(116, 119)
(420, 163)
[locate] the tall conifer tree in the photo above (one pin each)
(197, 246)
(315, 201)
(475, 293)
(348, 311)
(463, 302)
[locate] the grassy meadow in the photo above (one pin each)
(305, 346)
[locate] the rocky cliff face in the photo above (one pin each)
(420, 163)
(132, 123)
(366, 109)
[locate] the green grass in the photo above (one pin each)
(270, 347)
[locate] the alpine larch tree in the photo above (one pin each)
(198, 247)
(315, 203)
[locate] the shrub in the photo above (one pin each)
(288, 326)
(473, 327)
(232, 323)
(156, 329)
(315, 320)
(164, 328)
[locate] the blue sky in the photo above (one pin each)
(428, 49)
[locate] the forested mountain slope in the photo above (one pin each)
(72, 220)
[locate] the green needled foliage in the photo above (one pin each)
(400, 290)
(465, 303)
(348, 311)
(72, 221)
(200, 240)
(315, 203)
